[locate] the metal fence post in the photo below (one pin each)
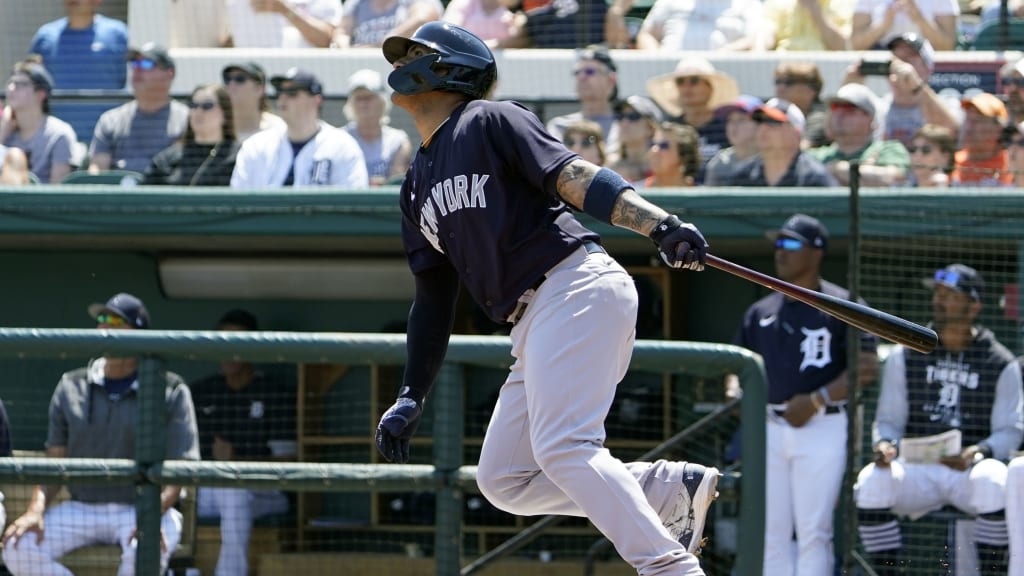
(150, 448)
(448, 447)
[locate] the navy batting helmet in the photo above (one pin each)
(460, 62)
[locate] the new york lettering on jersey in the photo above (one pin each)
(448, 196)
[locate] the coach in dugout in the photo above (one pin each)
(970, 383)
(93, 414)
(805, 359)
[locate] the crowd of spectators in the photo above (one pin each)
(165, 140)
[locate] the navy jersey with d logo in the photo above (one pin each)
(803, 348)
(481, 196)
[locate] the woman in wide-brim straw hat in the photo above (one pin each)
(690, 94)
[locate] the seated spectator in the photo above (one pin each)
(876, 23)
(198, 24)
(781, 162)
(690, 95)
(205, 155)
(386, 150)
(982, 160)
(851, 123)
(559, 24)
(305, 152)
(674, 157)
(84, 49)
(741, 131)
(242, 415)
(282, 23)
(27, 123)
(491, 20)
(675, 25)
(585, 138)
(13, 167)
(93, 414)
(369, 22)
(801, 84)
(805, 25)
(970, 383)
(129, 136)
(931, 156)
(246, 84)
(638, 117)
(1011, 78)
(596, 89)
(1014, 139)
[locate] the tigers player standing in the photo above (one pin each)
(970, 383)
(486, 202)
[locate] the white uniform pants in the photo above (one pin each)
(803, 477)
(544, 452)
(237, 509)
(71, 525)
(914, 490)
(1015, 515)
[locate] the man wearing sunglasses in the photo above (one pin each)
(127, 137)
(306, 151)
(597, 89)
(970, 384)
(852, 118)
(93, 414)
(1011, 78)
(781, 162)
(805, 359)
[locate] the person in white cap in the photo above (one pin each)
(851, 122)
(781, 162)
(387, 151)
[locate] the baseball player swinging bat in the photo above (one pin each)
(879, 323)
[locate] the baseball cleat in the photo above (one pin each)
(686, 520)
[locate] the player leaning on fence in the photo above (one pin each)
(93, 414)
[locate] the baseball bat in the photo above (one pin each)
(879, 323)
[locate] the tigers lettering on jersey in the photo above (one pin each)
(449, 196)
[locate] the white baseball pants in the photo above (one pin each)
(71, 525)
(1015, 514)
(914, 490)
(237, 509)
(803, 476)
(544, 452)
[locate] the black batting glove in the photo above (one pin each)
(680, 244)
(396, 427)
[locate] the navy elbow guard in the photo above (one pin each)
(602, 193)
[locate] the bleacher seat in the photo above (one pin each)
(989, 37)
(124, 178)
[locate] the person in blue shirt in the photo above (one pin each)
(84, 49)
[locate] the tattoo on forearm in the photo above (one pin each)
(634, 213)
(573, 181)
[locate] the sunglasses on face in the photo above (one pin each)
(588, 71)
(1012, 81)
(290, 91)
(768, 121)
(630, 116)
(143, 64)
(205, 106)
(235, 78)
(662, 144)
(585, 142)
(111, 320)
(788, 81)
(689, 81)
(1016, 142)
(788, 244)
(923, 149)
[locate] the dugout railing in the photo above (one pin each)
(448, 476)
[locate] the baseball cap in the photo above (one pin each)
(920, 45)
(40, 78)
(300, 78)
(127, 307)
(152, 51)
(857, 94)
(744, 103)
(251, 69)
(988, 105)
(597, 53)
(804, 228)
(368, 80)
(781, 111)
(642, 105)
(959, 277)
(239, 317)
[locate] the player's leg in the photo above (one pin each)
(981, 491)
(1015, 514)
(170, 532)
(681, 494)
(877, 490)
(572, 348)
(778, 528)
(234, 506)
(68, 525)
(818, 451)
